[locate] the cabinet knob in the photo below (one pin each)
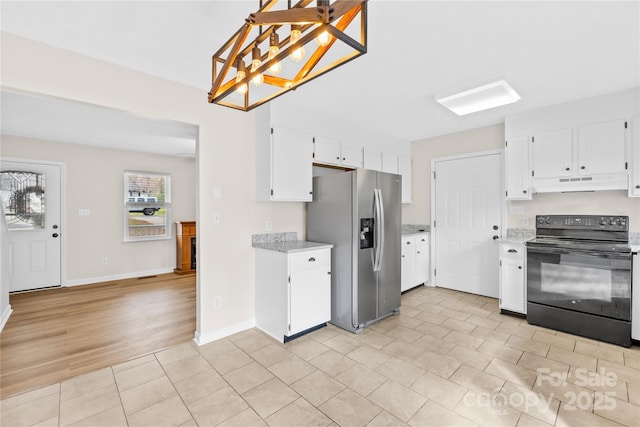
(312, 259)
(519, 267)
(417, 252)
(513, 251)
(583, 167)
(637, 186)
(524, 191)
(408, 243)
(496, 237)
(567, 169)
(344, 158)
(338, 158)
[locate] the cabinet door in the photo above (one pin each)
(291, 165)
(634, 185)
(404, 169)
(422, 259)
(512, 291)
(552, 154)
(601, 148)
(310, 299)
(516, 163)
(389, 162)
(351, 156)
(326, 151)
(407, 263)
(372, 159)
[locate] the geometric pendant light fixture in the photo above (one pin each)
(278, 50)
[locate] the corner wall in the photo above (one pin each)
(225, 159)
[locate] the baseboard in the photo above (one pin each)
(5, 316)
(201, 339)
(100, 279)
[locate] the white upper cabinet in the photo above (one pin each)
(334, 153)
(580, 145)
(389, 162)
(552, 154)
(352, 156)
(284, 166)
(326, 151)
(634, 179)
(601, 148)
(517, 173)
(372, 159)
(404, 169)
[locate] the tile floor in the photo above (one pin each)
(449, 358)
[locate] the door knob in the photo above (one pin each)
(54, 235)
(496, 237)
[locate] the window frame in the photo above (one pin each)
(129, 204)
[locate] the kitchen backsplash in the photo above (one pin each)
(273, 237)
(520, 234)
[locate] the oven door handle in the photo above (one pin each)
(563, 251)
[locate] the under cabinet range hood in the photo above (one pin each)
(615, 181)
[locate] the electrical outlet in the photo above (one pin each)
(525, 221)
(217, 302)
(105, 260)
(268, 225)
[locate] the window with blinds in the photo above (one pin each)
(147, 200)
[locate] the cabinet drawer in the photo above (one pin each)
(513, 251)
(308, 260)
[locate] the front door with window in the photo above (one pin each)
(30, 195)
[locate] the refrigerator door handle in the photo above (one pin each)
(378, 233)
(381, 224)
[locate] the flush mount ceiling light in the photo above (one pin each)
(480, 98)
(274, 60)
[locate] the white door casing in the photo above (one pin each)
(467, 211)
(35, 228)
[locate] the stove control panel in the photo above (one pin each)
(583, 222)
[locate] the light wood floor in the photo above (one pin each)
(56, 334)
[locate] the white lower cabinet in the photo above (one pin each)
(513, 293)
(293, 291)
(414, 263)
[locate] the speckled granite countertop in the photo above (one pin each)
(285, 242)
(292, 246)
(409, 229)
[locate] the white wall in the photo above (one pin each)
(471, 141)
(225, 160)
(94, 181)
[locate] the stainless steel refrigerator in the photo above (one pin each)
(360, 213)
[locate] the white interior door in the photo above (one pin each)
(468, 214)
(30, 194)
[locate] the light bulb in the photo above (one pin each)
(298, 54)
(240, 76)
(323, 39)
(258, 79)
(274, 49)
(276, 67)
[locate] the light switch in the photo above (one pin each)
(217, 193)
(84, 212)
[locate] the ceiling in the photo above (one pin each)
(550, 51)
